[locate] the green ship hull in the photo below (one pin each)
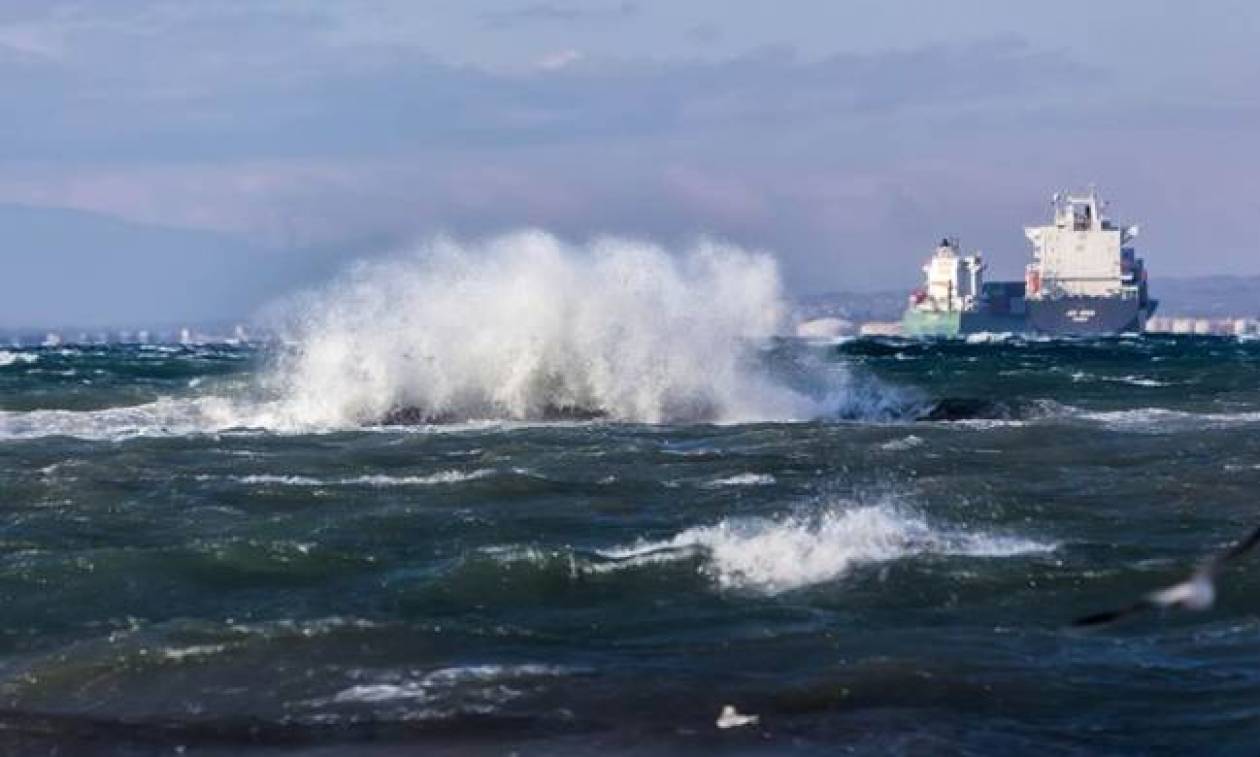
(947, 323)
(931, 323)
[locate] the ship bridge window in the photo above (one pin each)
(1081, 217)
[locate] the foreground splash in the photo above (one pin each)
(527, 327)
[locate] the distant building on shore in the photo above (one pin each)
(1202, 326)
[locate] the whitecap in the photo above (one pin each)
(179, 654)
(902, 444)
(374, 480)
(1130, 380)
(308, 628)
(164, 417)
(1142, 381)
(268, 478)
(1165, 420)
(744, 479)
(487, 682)
(441, 477)
(775, 555)
(9, 358)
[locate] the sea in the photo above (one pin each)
(876, 581)
(596, 538)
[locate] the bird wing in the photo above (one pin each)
(1196, 592)
(1111, 616)
(1239, 549)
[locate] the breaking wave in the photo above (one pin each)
(373, 480)
(9, 358)
(527, 327)
(165, 417)
(743, 479)
(776, 555)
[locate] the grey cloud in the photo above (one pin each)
(416, 103)
(284, 127)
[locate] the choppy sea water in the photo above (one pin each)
(184, 565)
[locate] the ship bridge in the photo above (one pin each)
(1081, 253)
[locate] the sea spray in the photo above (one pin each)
(525, 326)
(517, 328)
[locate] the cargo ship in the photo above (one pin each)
(1085, 279)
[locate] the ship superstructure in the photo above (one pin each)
(953, 280)
(956, 299)
(1084, 278)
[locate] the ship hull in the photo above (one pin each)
(1087, 316)
(929, 323)
(1064, 316)
(920, 323)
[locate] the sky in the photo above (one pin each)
(229, 150)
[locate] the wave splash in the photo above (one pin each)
(527, 327)
(518, 328)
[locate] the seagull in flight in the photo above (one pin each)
(1197, 592)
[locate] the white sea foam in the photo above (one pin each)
(275, 629)
(902, 444)
(376, 480)
(441, 477)
(9, 358)
(268, 479)
(1160, 420)
(744, 479)
(487, 682)
(776, 555)
(180, 654)
(1142, 381)
(165, 417)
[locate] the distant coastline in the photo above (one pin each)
(1220, 305)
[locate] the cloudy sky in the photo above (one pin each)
(843, 135)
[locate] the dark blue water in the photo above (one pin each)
(895, 576)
